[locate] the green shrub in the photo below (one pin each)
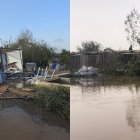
(55, 99)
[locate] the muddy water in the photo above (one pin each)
(105, 109)
(20, 120)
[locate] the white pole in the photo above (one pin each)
(46, 72)
(53, 74)
(38, 72)
(42, 72)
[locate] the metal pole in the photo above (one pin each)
(2, 67)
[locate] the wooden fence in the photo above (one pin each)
(102, 60)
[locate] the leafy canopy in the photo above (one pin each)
(89, 46)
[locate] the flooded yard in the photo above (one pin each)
(20, 120)
(105, 109)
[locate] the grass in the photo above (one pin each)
(52, 98)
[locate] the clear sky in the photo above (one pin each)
(47, 19)
(101, 21)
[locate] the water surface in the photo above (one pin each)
(105, 109)
(20, 120)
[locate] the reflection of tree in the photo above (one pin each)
(133, 113)
(90, 89)
(124, 84)
(95, 83)
(137, 89)
(88, 82)
(107, 81)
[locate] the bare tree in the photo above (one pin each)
(132, 27)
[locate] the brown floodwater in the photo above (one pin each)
(105, 109)
(20, 120)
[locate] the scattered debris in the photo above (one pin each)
(28, 89)
(86, 71)
(3, 88)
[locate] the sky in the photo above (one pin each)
(101, 21)
(48, 20)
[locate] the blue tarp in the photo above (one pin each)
(53, 66)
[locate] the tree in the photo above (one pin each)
(108, 49)
(132, 27)
(33, 50)
(89, 46)
(65, 56)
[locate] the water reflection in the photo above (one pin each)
(96, 83)
(105, 101)
(133, 112)
(22, 120)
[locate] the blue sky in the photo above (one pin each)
(47, 19)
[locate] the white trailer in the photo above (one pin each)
(11, 60)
